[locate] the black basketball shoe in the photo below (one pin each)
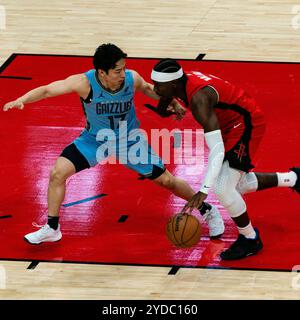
(296, 187)
(243, 247)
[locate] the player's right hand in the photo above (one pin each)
(177, 109)
(13, 104)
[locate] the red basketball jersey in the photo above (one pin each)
(235, 109)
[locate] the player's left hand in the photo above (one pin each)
(194, 203)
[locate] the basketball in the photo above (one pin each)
(183, 230)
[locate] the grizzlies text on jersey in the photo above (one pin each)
(106, 110)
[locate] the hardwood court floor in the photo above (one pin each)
(77, 281)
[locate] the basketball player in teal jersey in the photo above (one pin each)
(107, 95)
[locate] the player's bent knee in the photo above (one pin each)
(224, 198)
(248, 183)
(157, 173)
(59, 175)
(232, 202)
(165, 180)
(56, 175)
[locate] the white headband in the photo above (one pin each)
(166, 77)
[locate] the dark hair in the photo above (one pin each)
(106, 56)
(169, 65)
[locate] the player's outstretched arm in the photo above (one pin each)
(73, 83)
(143, 86)
(202, 107)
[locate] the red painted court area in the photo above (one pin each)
(109, 215)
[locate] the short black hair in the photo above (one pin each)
(168, 66)
(106, 56)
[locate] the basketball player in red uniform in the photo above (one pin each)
(233, 127)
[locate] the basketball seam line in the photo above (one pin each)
(186, 220)
(174, 235)
(193, 234)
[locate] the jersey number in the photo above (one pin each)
(115, 121)
(202, 76)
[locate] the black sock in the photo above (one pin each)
(53, 222)
(204, 207)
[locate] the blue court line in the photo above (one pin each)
(84, 200)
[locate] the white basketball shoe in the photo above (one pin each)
(44, 234)
(215, 222)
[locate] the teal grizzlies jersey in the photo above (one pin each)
(105, 110)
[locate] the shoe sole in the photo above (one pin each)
(239, 258)
(37, 243)
(248, 255)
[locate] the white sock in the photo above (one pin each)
(248, 231)
(287, 179)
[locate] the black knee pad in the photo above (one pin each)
(156, 172)
(74, 155)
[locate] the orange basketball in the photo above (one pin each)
(183, 230)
